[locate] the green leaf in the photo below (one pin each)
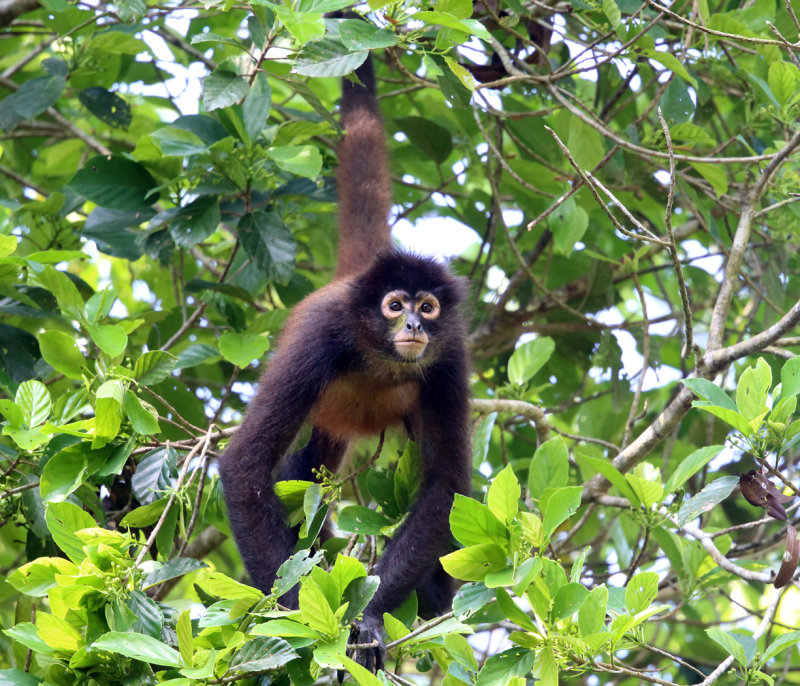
(473, 523)
(315, 611)
(183, 630)
(361, 520)
(296, 566)
(360, 35)
(196, 354)
(592, 614)
(557, 505)
(63, 520)
(117, 183)
(16, 677)
(8, 244)
(503, 496)
(153, 367)
(108, 107)
(731, 417)
(471, 598)
(27, 634)
(710, 391)
(219, 584)
(648, 492)
(691, 133)
(549, 467)
(674, 65)
(690, 465)
(568, 224)
(435, 18)
(641, 590)
(33, 399)
(146, 515)
(255, 108)
(303, 160)
(790, 378)
(327, 58)
(61, 352)
(713, 494)
(729, 643)
(407, 476)
(176, 142)
(139, 647)
(427, 137)
(262, 653)
(304, 26)
(222, 88)
(512, 612)
(37, 577)
(529, 358)
(568, 600)
(782, 79)
(474, 562)
(242, 348)
(110, 338)
(172, 569)
(788, 640)
(753, 389)
(713, 173)
(153, 474)
(63, 474)
(141, 419)
(269, 243)
(612, 12)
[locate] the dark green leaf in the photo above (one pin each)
(269, 243)
(362, 520)
(117, 183)
(713, 494)
(327, 57)
(427, 136)
(107, 106)
(223, 88)
(139, 647)
(261, 653)
(360, 35)
(154, 474)
(153, 367)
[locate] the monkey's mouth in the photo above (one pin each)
(410, 349)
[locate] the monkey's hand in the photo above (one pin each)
(368, 632)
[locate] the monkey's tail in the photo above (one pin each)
(363, 181)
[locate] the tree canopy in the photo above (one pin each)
(630, 172)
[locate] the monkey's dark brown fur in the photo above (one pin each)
(381, 345)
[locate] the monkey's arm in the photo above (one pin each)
(413, 555)
(292, 383)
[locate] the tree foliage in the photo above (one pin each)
(166, 196)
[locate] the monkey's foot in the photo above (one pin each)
(368, 633)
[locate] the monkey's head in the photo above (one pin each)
(410, 306)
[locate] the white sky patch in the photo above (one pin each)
(439, 237)
(632, 359)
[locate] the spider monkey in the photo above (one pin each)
(383, 344)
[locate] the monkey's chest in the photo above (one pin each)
(357, 405)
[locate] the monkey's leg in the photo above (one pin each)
(435, 593)
(286, 395)
(412, 557)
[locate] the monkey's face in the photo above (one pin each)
(407, 317)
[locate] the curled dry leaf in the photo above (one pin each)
(791, 556)
(761, 492)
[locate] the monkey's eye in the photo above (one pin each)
(427, 308)
(395, 306)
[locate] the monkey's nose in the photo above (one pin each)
(413, 326)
